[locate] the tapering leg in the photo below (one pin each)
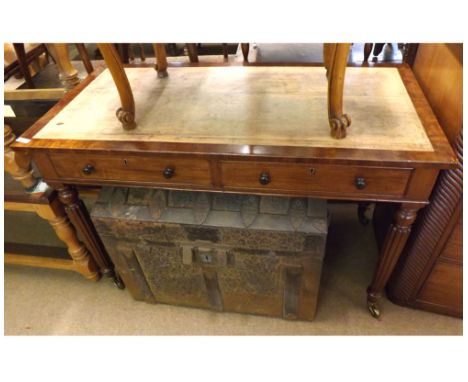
(367, 50)
(161, 59)
(336, 58)
(68, 74)
(80, 218)
(393, 245)
(142, 53)
(17, 164)
(57, 218)
(245, 51)
(85, 57)
(126, 113)
(192, 52)
(23, 64)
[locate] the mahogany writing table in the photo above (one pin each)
(248, 129)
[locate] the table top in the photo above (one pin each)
(254, 110)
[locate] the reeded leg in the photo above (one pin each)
(245, 51)
(393, 245)
(126, 113)
(57, 218)
(80, 218)
(161, 59)
(68, 74)
(336, 58)
(17, 164)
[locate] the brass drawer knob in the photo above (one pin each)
(360, 183)
(169, 172)
(264, 178)
(88, 169)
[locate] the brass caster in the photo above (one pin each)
(373, 309)
(118, 282)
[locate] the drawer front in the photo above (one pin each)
(310, 177)
(163, 170)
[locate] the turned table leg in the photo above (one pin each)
(126, 113)
(17, 164)
(161, 59)
(68, 74)
(335, 59)
(57, 218)
(393, 245)
(80, 218)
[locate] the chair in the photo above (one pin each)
(43, 201)
(335, 59)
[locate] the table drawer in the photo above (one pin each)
(160, 169)
(310, 177)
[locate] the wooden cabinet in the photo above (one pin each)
(430, 272)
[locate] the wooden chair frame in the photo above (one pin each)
(48, 206)
(335, 59)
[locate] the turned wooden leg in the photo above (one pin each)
(85, 57)
(245, 51)
(17, 164)
(336, 58)
(80, 218)
(126, 113)
(68, 74)
(161, 59)
(57, 218)
(192, 52)
(367, 50)
(393, 245)
(23, 64)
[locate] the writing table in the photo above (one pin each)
(249, 129)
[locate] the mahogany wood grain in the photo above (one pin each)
(310, 178)
(133, 168)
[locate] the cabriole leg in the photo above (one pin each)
(336, 58)
(126, 113)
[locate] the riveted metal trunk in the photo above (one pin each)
(226, 252)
